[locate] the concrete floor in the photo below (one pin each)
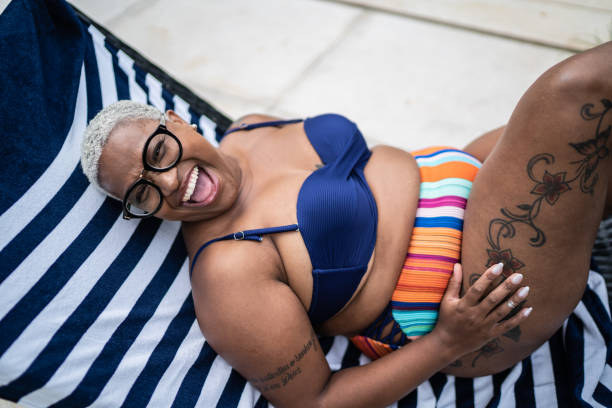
(409, 73)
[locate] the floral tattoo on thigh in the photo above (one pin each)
(547, 188)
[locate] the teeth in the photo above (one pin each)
(192, 183)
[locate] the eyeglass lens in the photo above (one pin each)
(163, 152)
(143, 200)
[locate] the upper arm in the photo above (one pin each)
(259, 326)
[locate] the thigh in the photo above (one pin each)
(537, 201)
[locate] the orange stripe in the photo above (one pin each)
(372, 348)
(441, 250)
(436, 231)
(452, 169)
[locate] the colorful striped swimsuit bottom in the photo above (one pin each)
(435, 246)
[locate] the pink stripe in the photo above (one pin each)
(443, 201)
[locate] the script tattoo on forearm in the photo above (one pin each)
(548, 187)
(285, 373)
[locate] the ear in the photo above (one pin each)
(174, 117)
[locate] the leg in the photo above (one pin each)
(537, 201)
(482, 146)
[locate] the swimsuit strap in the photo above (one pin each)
(248, 235)
(245, 126)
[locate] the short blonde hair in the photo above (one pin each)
(99, 129)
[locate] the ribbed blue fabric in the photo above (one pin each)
(336, 212)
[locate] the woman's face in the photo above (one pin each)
(217, 177)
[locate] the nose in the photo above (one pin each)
(167, 181)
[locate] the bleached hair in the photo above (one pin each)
(97, 133)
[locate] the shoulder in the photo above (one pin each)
(232, 260)
(252, 118)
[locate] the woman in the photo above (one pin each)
(260, 301)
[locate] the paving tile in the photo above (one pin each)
(413, 84)
(596, 4)
(231, 105)
(247, 51)
(103, 11)
(568, 24)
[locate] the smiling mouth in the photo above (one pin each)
(201, 189)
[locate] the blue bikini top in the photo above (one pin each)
(336, 213)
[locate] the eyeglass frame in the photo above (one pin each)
(161, 129)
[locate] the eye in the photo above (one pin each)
(141, 194)
(159, 150)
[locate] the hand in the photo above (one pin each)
(469, 322)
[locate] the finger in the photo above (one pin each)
(479, 288)
(510, 306)
(454, 285)
(507, 325)
(505, 289)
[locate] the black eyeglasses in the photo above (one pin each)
(161, 152)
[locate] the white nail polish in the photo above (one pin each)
(516, 279)
(523, 292)
(497, 268)
(527, 311)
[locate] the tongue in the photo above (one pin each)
(203, 187)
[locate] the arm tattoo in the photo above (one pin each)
(285, 373)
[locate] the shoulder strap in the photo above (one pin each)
(251, 126)
(248, 235)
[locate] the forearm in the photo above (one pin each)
(389, 378)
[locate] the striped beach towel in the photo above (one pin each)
(435, 244)
(95, 311)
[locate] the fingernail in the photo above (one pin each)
(527, 311)
(498, 268)
(516, 279)
(523, 292)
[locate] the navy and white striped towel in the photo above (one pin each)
(96, 311)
